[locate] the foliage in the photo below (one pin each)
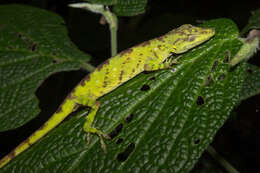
(160, 121)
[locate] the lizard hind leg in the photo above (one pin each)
(92, 130)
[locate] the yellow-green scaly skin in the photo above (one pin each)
(148, 56)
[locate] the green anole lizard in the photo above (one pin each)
(148, 56)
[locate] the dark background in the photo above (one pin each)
(237, 141)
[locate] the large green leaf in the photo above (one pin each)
(124, 7)
(160, 121)
(33, 44)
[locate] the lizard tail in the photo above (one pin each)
(68, 106)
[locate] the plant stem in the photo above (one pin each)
(113, 33)
(221, 160)
(112, 21)
(248, 49)
(89, 67)
(110, 17)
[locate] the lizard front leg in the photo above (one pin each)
(153, 64)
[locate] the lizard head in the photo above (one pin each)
(187, 36)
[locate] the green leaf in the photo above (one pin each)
(130, 7)
(251, 86)
(254, 21)
(104, 2)
(33, 45)
(160, 121)
(124, 7)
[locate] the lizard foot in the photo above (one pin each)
(101, 136)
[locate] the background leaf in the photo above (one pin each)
(251, 86)
(124, 7)
(33, 45)
(160, 121)
(254, 21)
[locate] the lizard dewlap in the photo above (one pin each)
(147, 56)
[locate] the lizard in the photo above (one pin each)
(148, 56)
